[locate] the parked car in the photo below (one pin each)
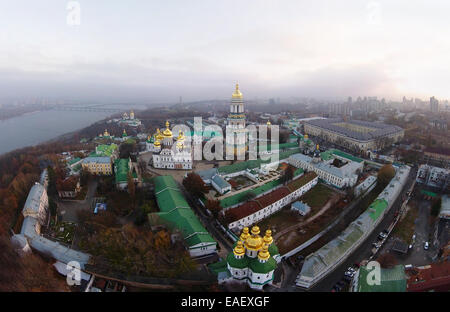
(349, 274)
(347, 279)
(426, 246)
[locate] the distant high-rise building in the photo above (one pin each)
(434, 105)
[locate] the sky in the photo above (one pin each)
(198, 49)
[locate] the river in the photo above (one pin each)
(34, 128)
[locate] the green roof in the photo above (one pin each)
(263, 268)
(186, 221)
(170, 199)
(237, 263)
(282, 146)
(428, 193)
(218, 267)
(241, 197)
(74, 160)
(273, 249)
(163, 182)
(377, 208)
(326, 155)
(200, 238)
(105, 150)
(176, 212)
(392, 280)
(345, 155)
(121, 168)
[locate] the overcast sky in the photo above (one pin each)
(159, 50)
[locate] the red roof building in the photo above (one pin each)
(433, 277)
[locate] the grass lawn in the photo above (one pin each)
(281, 219)
(293, 238)
(317, 196)
(405, 228)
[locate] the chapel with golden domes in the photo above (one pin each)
(253, 259)
(169, 151)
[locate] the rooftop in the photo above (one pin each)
(338, 125)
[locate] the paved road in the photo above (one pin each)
(68, 209)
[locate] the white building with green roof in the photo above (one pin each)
(176, 213)
(253, 259)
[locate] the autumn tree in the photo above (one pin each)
(27, 272)
(131, 188)
(288, 174)
(387, 260)
(195, 185)
(214, 207)
(385, 175)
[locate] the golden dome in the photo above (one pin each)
(264, 253)
(239, 250)
(106, 133)
(254, 242)
(306, 136)
(255, 230)
(244, 234)
(167, 133)
(157, 143)
(237, 93)
(269, 123)
(268, 237)
(181, 136)
(158, 135)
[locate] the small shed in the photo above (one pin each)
(301, 207)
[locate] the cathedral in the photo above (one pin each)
(236, 133)
(130, 120)
(165, 156)
(253, 258)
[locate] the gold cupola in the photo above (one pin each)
(158, 135)
(306, 136)
(239, 250)
(245, 234)
(269, 123)
(106, 133)
(268, 239)
(254, 242)
(181, 136)
(167, 133)
(157, 143)
(264, 254)
(237, 93)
